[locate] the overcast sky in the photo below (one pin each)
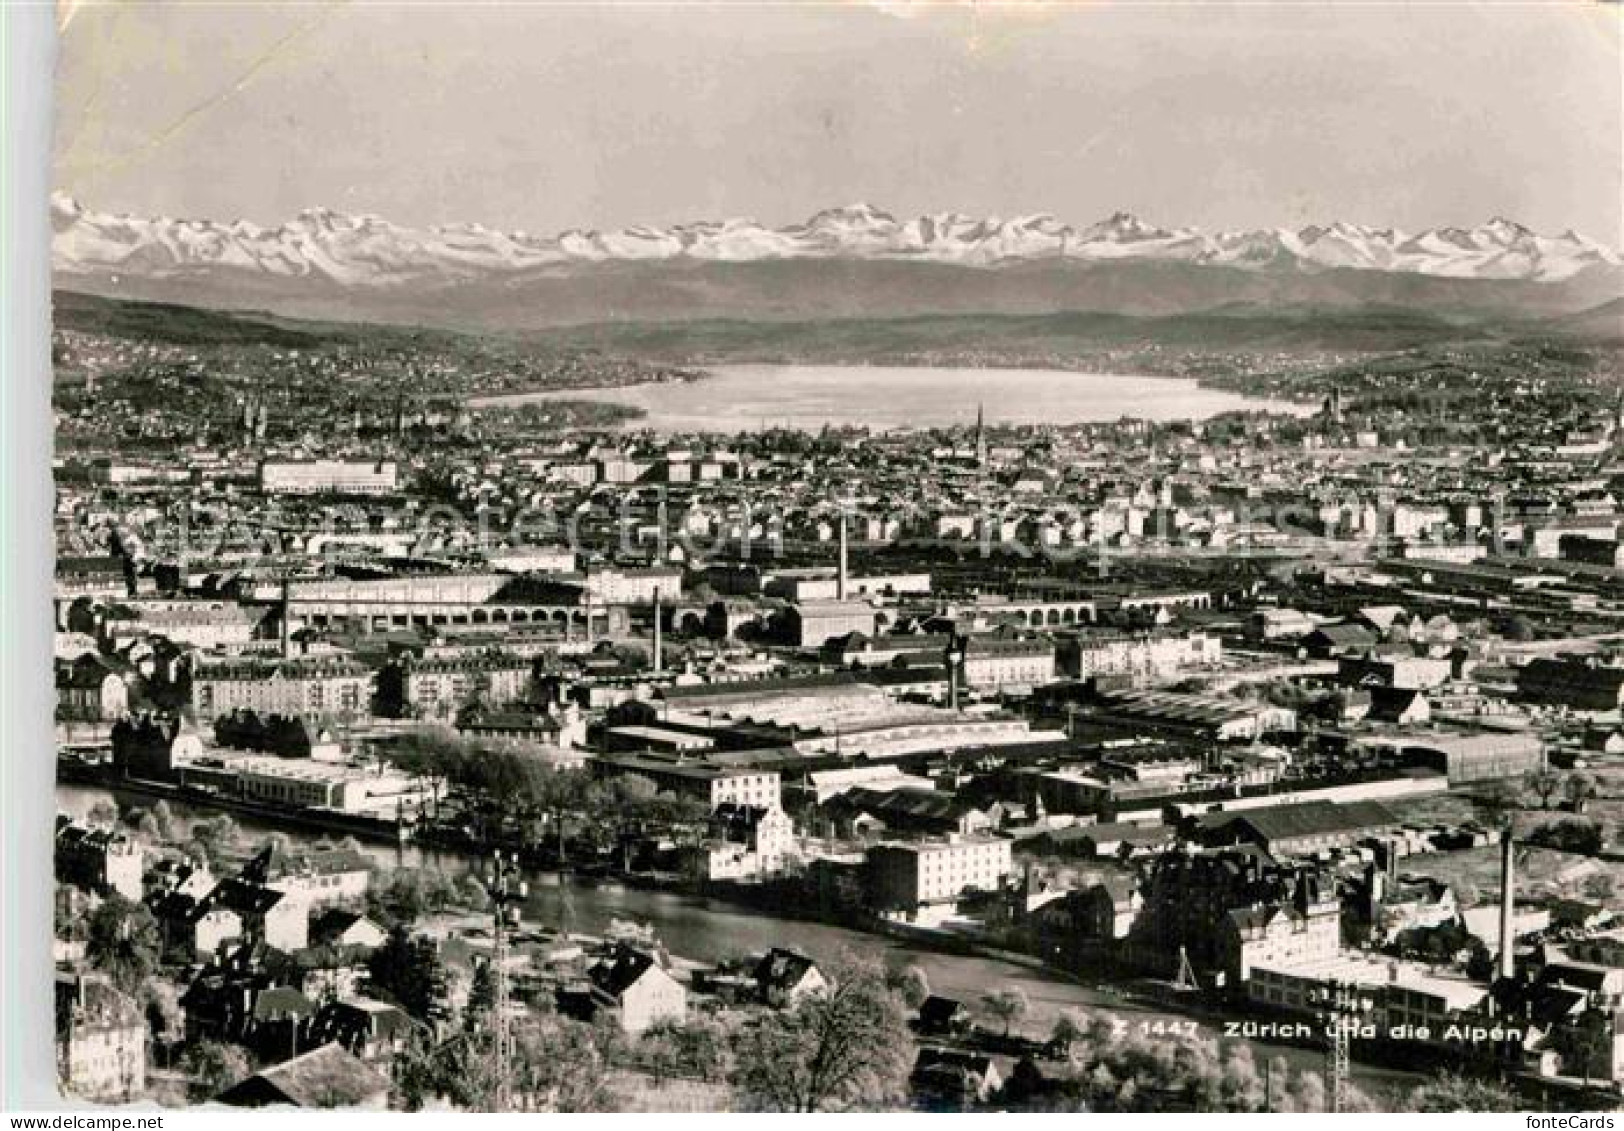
(547, 117)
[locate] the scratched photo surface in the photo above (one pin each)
(840, 557)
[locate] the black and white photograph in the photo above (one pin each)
(848, 557)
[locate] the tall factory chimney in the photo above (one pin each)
(287, 619)
(1508, 939)
(840, 575)
(659, 656)
(954, 657)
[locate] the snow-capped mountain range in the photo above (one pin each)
(369, 252)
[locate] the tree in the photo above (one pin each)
(1134, 1072)
(1517, 628)
(1008, 1005)
(704, 1048)
(69, 921)
(697, 1049)
(481, 997)
(1456, 1093)
(1306, 1092)
(280, 844)
(409, 970)
(165, 1017)
(165, 819)
(846, 1049)
(1586, 1045)
(212, 839)
(658, 1052)
(1580, 836)
(1602, 887)
(213, 1067)
(123, 942)
(557, 1065)
(1069, 1028)
(472, 893)
(1578, 789)
(408, 894)
(1499, 798)
(1543, 782)
(911, 983)
(418, 1071)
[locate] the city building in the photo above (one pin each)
(101, 1040)
(1572, 681)
(746, 842)
(813, 624)
(1000, 663)
(304, 783)
(712, 784)
(328, 477)
(1142, 657)
(88, 689)
(437, 687)
(103, 861)
(927, 879)
(1222, 913)
(301, 686)
(1294, 830)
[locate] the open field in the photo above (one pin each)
(1475, 872)
(640, 1092)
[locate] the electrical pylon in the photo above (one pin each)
(508, 892)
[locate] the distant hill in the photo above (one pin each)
(819, 291)
(172, 323)
(1000, 338)
(1603, 323)
(857, 339)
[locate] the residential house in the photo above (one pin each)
(940, 1016)
(373, 1030)
(325, 1077)
(784, 977)
(89, 688)
(637, 990)
(954, 1077)
(103, 861)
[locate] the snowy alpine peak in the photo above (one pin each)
(370, 251)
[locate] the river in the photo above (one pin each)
(738, 398)
(709, 930)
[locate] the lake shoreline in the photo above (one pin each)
(755, 396)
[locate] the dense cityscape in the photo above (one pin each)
(422, 753)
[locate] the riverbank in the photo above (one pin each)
(710, 929)
(381, 830)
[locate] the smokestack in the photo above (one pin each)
(659, 657)
(287, 617)
(1508, 955)
(840, 576)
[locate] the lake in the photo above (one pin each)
(740, 398)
